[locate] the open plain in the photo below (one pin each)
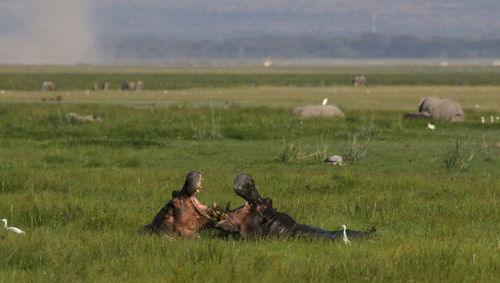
(81, 190)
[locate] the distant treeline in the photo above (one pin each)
(366, 46)
(154, 81)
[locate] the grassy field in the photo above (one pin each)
(68, 78)
(81, 190)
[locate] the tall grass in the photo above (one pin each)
(355, 151)
(457, 158)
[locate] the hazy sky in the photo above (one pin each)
(68, 31)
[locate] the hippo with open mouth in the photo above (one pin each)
(184, 214)
(257, 218)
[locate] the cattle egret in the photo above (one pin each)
(345, 239)
(325, 101)
(13, 229)
(335, 159)
(431, 126)
(482, 119)
(492, 119)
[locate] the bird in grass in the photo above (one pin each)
(325, 101)
(345, 239)
(431, 126)
(336, 159)
(13, 229)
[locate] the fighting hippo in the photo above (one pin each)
(257, 218)
(184, 214)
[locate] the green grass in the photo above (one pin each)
(82, 190)
(67, 78)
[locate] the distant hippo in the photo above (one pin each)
(257, 218)
(48, 86)
(436, 108)
(318, 111)
(184, 214)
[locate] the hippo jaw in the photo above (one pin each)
(244, 186)
(192, 185)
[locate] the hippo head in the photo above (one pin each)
(244, 186)
(192, 185)
(249, 220)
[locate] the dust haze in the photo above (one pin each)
(51, 32)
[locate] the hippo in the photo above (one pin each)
(258, 219)
(184, 214)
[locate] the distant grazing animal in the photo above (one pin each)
(359, 81)
(48, 86)
(335, 159)
(139, 86)
(12, 229)
(128, 85)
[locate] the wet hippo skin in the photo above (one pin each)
(184, 214)
(257, 218)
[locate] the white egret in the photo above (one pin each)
(492, 119)
(13, 229)
(482, 119)
(345, 239)
(325, 101)
(431, 126)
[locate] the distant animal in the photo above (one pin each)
(128, 85)
(12, 229)
(95, 87)
(325, 101)
(139, 86)
(90, 118)
(335, 159)
(48, 86)
(431, 126)
(318, 110)
(359, 81)
(436, 108)
(105, 86)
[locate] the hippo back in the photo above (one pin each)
(318, 111)
(448, 110)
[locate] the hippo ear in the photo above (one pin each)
(227, 226)
(262, 207)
